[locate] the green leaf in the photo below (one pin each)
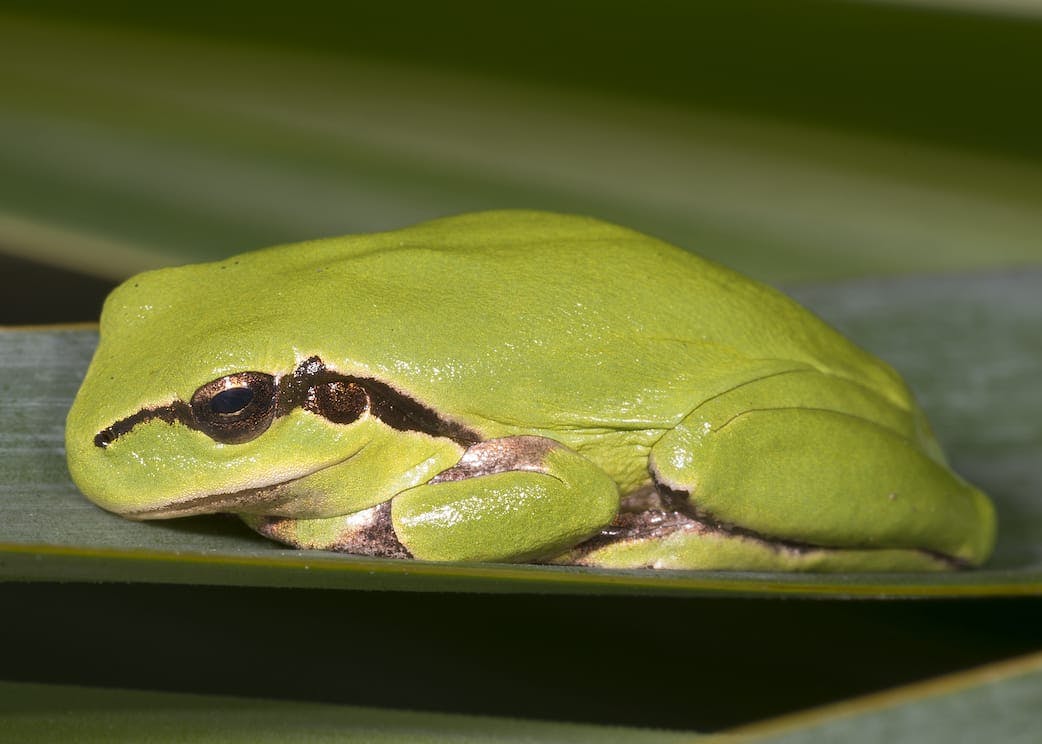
(62, 713)
(968, 345)
(997, 702)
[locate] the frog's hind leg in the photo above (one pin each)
(798, 471)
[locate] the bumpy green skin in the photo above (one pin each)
(798, 449)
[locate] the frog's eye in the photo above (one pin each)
(235, 408)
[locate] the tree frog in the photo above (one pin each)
(514, 386)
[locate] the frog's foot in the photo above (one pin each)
(366, 532)
(509, 499)
(662, 530)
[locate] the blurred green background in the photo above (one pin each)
(794, 141)
(798, 142)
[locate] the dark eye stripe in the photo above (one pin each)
(339, 398)
(176, 411)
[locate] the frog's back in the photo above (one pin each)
(535, 318)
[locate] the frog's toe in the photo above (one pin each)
(673, 540)
(367, 532)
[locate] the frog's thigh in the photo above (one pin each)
(821, 477)
(508, 499)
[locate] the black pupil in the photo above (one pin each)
(231, 400)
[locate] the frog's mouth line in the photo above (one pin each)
(246, 500)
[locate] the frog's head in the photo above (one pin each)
(198, 400)
(191, 399)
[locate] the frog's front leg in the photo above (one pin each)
(800, 471)
(510, 499)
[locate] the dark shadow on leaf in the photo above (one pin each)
(211, 525)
